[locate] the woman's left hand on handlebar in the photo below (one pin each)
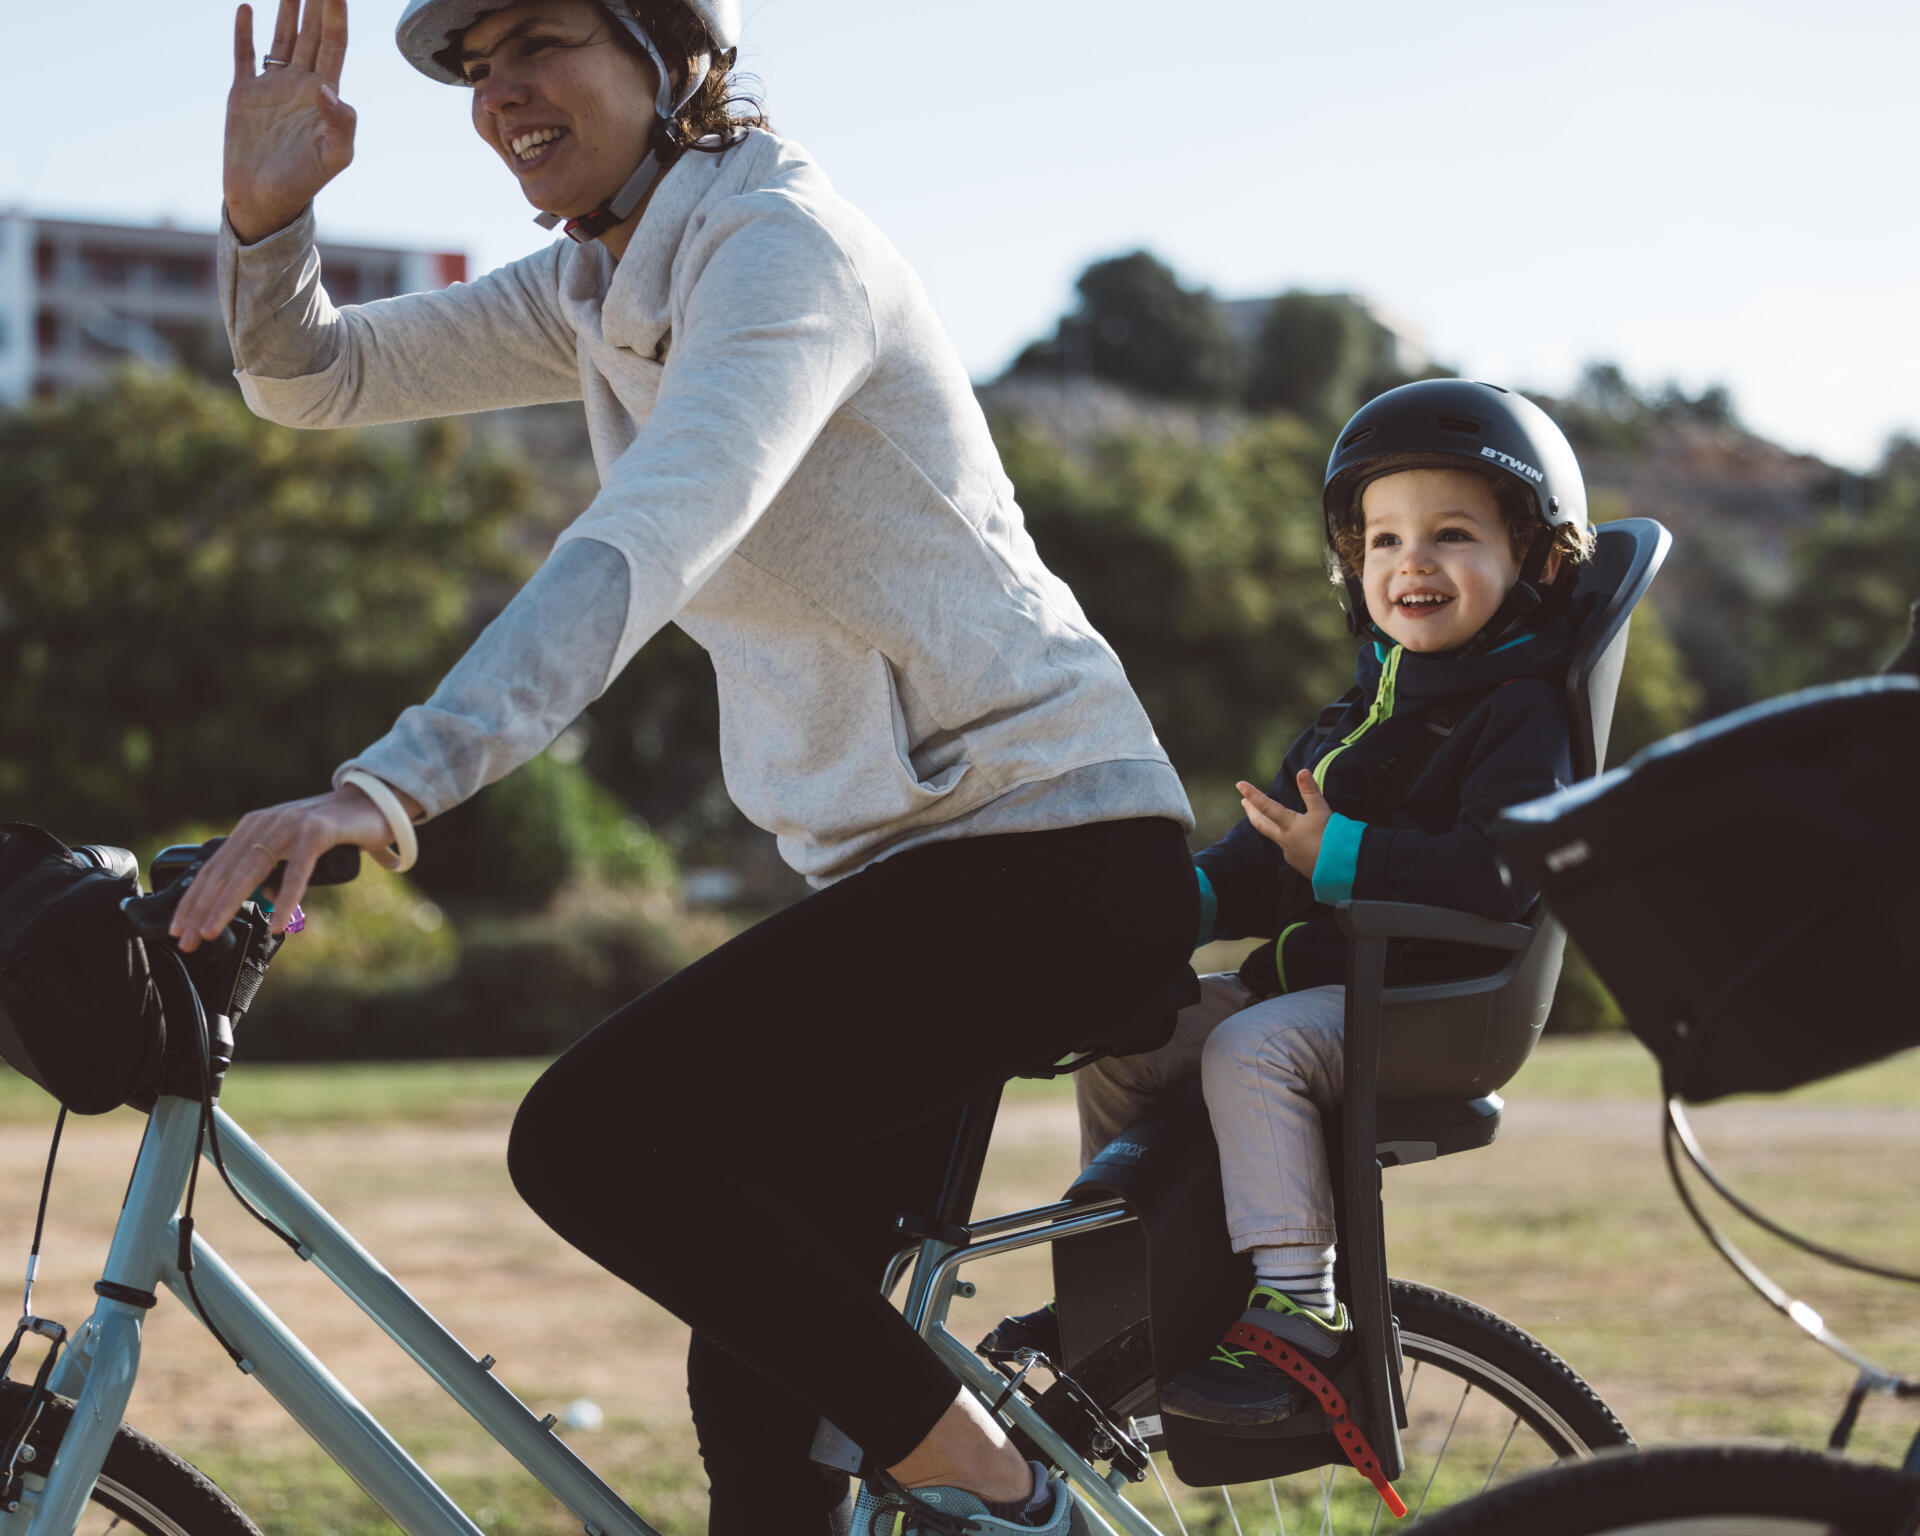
(298, 832)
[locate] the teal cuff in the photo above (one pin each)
(1339, 857)
(1209, 907)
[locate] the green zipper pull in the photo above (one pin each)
(1380, 709)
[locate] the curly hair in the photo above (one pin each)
(724, 107)
(1519, 510)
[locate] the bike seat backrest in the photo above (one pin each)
(1454, 1042)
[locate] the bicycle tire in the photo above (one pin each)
(1439, 1333)
(1717, 1490)
(143, 1485)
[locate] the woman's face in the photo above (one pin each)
(566, 105)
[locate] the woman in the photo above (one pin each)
(794, 470)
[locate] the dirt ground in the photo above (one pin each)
(1566, 1225)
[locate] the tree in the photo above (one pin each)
(1321, 356)
(201, 612)
(1855, 578)
(1138, 326)
(1205, 568)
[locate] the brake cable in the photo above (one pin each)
(209, 1134)
(14, 1449)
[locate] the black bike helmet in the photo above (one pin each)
(1459, 424)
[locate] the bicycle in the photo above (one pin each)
(64, 1451)
(1712, 1022)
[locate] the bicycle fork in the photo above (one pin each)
(98, 1368)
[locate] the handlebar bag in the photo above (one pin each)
(79, 1013)
(1746, 889)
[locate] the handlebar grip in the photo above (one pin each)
(336, 866)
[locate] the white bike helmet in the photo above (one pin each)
(429, 32)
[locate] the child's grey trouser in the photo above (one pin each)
(1267, 1069)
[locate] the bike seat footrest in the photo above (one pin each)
(1352, 1440)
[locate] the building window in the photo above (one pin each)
(46, 331)
(108, 269)
(184, 274)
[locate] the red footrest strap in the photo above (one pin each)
(1276, 1352)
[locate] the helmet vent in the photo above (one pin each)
(1353, 437)
(1460, 424)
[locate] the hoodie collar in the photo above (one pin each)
(629, 302)
(1540, 652)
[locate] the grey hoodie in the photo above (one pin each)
(793, 469)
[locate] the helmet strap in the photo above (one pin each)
(1522, 602)
(667, 108)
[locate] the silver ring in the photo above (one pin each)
(270, 62)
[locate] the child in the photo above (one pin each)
(1455, 514)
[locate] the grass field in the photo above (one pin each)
(1566, 1225)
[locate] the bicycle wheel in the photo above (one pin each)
(1486, 1403)
(144, 1487)
(1714, 1490)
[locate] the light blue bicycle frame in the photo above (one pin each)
(99, 1367)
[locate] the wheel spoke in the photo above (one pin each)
(1512, 1430)
(1279, 1520)
(1167, 1494)
(1441, 1454)
(1232, 1513)
(1326, 1500)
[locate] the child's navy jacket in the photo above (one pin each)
(1414, 762)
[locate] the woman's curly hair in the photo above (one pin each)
(725, 106)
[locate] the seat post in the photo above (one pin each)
(965, 1161)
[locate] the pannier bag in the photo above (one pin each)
(78, 1010)
(1746, 889)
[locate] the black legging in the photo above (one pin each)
(737, 1142)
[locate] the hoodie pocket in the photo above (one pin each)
(941, 778)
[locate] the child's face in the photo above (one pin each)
(1437, 561)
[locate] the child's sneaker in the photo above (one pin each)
(886, 1509)
(1240, 1389)
(1038, 1329)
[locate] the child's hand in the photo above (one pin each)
(1297, 832)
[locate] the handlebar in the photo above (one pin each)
(173, 870)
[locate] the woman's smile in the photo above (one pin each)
(534, 147)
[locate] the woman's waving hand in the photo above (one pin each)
(288, 131)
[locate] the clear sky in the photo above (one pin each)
(1699, 191)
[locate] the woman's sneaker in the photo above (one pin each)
(886, 1509)
(1238, 1389)
(1038, 1329)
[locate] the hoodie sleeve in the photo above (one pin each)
(1523, 750)
(497, 341)
(775, 333)
(1254, 888)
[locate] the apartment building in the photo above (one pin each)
(76, 298)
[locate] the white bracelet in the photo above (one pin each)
(406, 847)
